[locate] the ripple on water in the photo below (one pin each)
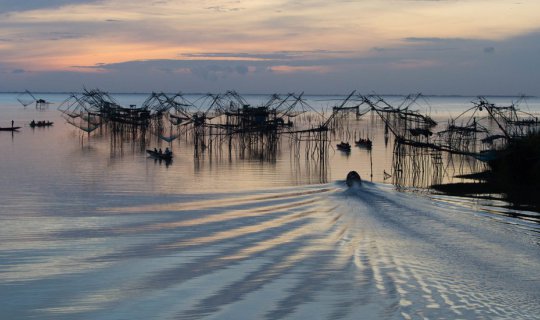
(318, 251)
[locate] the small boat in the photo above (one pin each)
(415, 132)
(9, 128)
(34, 124)
(487, 155)
(365, 143)
(160, 156)
(353, 178)
(344, 146)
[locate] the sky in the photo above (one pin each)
(461, 47)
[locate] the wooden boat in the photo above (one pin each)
(344, 146)
(365, 143)
(34, 124)
(487, 155)
(420, 132)
(160, 156)
(9, 128)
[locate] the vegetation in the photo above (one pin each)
(515, 174)
(519, 162)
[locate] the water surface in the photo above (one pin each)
(95, 230)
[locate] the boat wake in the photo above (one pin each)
(321, 252)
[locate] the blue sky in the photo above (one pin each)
(474, 47)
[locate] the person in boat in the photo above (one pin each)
(167, 151)
(12, 123)
(160, 151)
(155, 150)
(33, 123)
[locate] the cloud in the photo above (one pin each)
(435, 48)
(295, 69)
(223, 8)
(18, 5)
(236, 55)
(210, 70)
(432, 65)
(55, 35)
(42, 36)
(242, 69)
(432, 39)
(214, 72)
(414, 64)
(276, 55)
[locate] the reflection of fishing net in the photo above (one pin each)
(416, 167)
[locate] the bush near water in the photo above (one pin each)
(519, 162)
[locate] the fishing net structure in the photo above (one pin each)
(206, 121)
(27, 98)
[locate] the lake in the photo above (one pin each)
(92, 228)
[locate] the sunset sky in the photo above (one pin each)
(467, 47)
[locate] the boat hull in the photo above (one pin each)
(10, 129)
(344, 147)
(41, 124)
(159, 156)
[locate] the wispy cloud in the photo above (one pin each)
(277, 55)
(18, 5)
(297, 69)
(433, 40)
(223, 8)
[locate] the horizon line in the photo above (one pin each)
(307, 94)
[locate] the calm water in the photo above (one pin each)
(91, 229)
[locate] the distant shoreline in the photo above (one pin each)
(307, 94)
